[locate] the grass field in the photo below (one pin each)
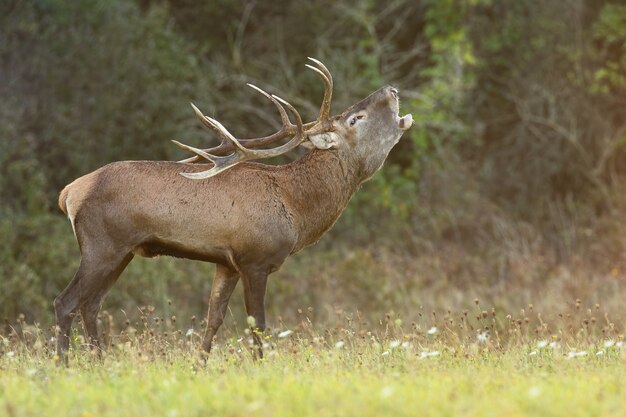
(475, 363)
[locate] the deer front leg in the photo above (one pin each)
(222, 288)
(254, 284)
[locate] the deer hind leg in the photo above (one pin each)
(65, 306)
(222, 288)
(91, 282)
(91, 300)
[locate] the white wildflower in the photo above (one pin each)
(385, 353)
(189, 333)
(534, 392)
(609, 343)
(386, 392)
(251, 321)
(554, 345)
(10, 354)
(285, 333)
(542, 343)
(533, 353)
(482, 337)
(574, 354)
(394, 344)
(432, 330)
(406, 345)
(619, 344)
(255, 406)
(600, 353)
(339, 344)
(427, 354)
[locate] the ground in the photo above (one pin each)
(455, 367)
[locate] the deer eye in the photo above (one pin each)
(354, 119)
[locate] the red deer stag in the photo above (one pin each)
(247, 220)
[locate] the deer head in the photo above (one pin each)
(366, 131)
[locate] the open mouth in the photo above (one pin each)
(405, 122)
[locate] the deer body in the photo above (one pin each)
(206, 220)
(247, 220)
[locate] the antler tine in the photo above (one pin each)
(220, 163)
(224, 133)
(322, 67)
(293, 110)
(327, 78)
(298, 138)
(283, 114)
(215, 126)
(197, 151)
(206, 123)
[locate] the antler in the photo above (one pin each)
(222, 163)
(324, 74)
(299, 131)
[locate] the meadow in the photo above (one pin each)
(472, 362)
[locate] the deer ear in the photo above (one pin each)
(326, 140)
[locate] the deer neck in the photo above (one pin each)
(317, 188)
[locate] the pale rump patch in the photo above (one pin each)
(71, 215)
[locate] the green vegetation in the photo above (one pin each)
(324, 382)
(470, 363)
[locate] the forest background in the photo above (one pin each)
(510, 187)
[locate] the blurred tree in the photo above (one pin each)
(517, 148)
(83, 84)
(91, 81)
(547, 135)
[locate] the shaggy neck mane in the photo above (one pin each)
(318, 187)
